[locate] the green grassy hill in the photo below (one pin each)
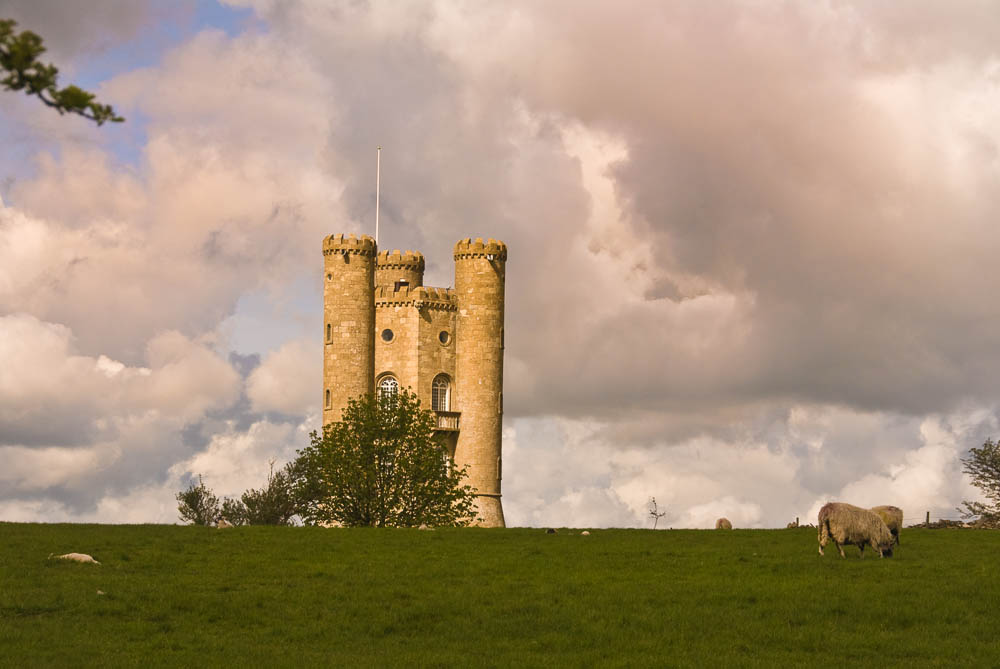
(264, 596)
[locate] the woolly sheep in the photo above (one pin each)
(852, 525)
(76, 557)
(892, 516)
(723, 524)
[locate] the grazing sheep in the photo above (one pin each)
(892, 516)
(723, 524)
(852, 525)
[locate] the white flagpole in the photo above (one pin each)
(378, 179)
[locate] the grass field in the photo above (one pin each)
(262, 596)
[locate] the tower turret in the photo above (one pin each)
(395, 268)
(479, 290)
(349, 321)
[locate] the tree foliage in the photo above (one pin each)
(983, 466)
(198, 505)
(19, 60)
(233, 511)
(381, 465)
(274, 504)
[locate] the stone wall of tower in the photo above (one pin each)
(396, 355)
(415, 353)
(392, 267)
(348, 321)
(437, 344)
(479, 292)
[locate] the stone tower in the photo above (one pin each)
(348, 321)
(385, 330)
(479, 290)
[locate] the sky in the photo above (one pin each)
(751, 245)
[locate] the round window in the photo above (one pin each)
(444, 337)
(387, 335)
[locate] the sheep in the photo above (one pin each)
(723, 524)
(76, 557)
(893, 518)
(852, 525)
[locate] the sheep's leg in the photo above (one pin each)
(822, 540)
(861, 547)
(840, 548)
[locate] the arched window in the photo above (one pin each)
(328, 332)
(440, 393)
(328, 398)
(388, 386)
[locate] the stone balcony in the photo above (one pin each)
(447, 421)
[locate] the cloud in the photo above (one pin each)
(769, 219)
(70, 29)
(746, 244)
(51, 395)
(236, 460)
(75, 429)
(568, 473)
(288, 380)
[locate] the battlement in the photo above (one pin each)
(468, 248)
(416, 296)
(412, 260)
(339, 243)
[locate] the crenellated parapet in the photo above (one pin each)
(418, 296)
(349, 245)
(491, 249)
(409, 260)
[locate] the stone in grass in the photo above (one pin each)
(585, 533)
(76, 557)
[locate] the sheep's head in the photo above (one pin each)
(885, 549)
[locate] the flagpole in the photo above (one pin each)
(378, 179)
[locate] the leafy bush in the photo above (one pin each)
(198, 505)
(381, 465)
(983, 465)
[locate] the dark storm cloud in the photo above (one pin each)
(72, 29)
(797, 159)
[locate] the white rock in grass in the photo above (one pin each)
(585, 533)
(223, 524)
(77, 557)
